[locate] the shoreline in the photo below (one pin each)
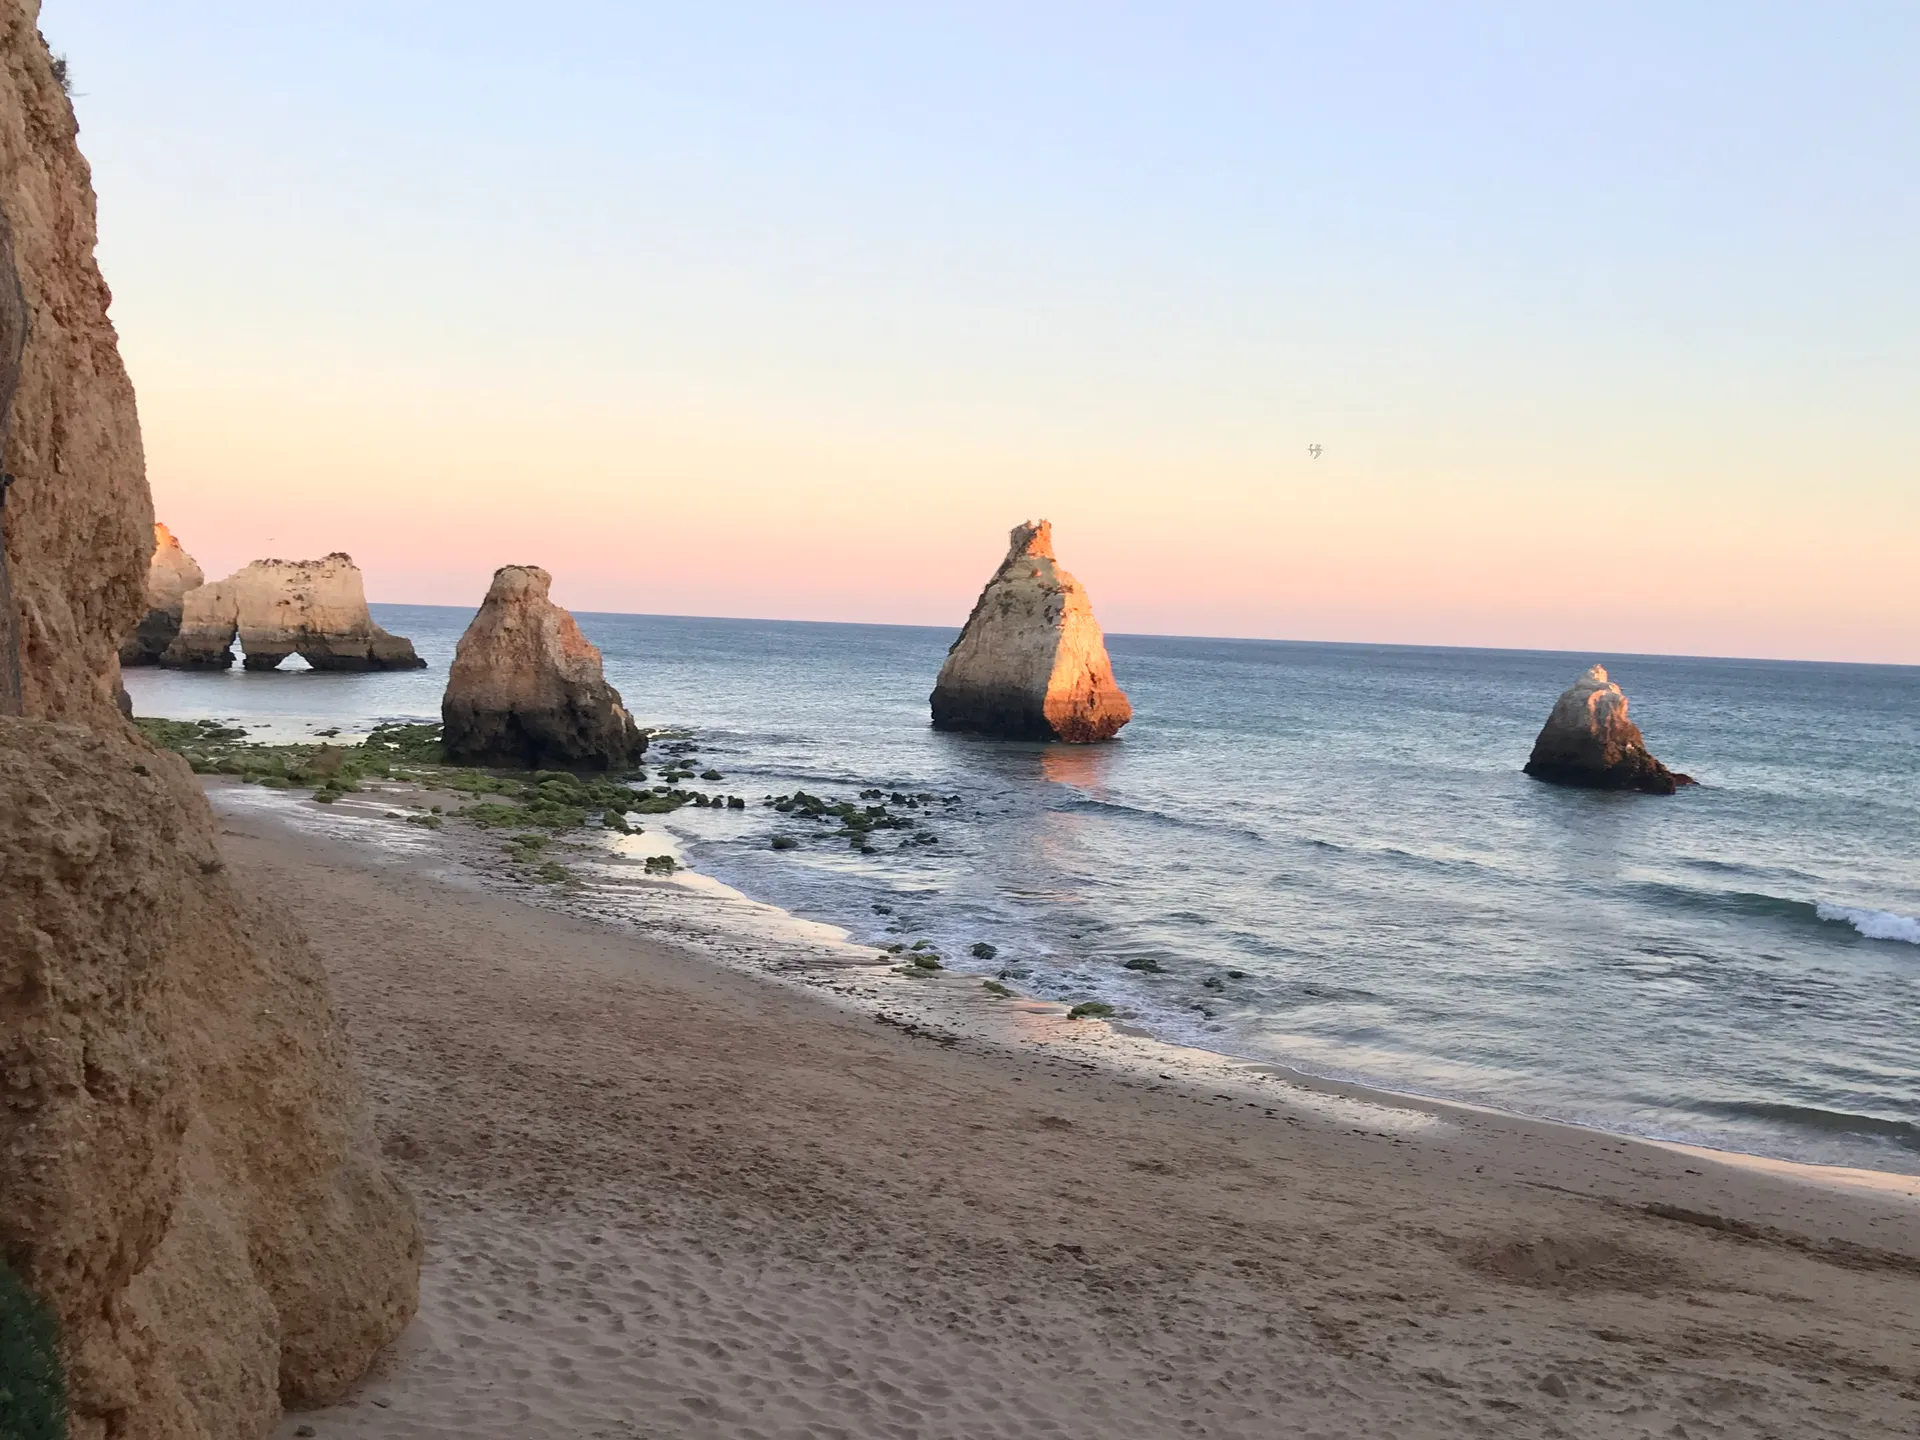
(949, 999)
(665, 1197)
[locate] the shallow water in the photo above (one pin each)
(1332, 857)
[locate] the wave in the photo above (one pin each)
(1814, 1118)
(1740, 902)
(1874, 924)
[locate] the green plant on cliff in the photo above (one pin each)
(33, 1390)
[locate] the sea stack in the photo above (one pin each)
(316, 609)
(171, 573)
(1031, 663)
(1589, 741)
(526, 687)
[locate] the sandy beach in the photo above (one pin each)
(664, 1198)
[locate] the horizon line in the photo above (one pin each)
(1222, 639)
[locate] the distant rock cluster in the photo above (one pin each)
(316, 609)
(1031, 663)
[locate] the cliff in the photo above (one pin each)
(316, 609)
(186, 1174)
(170, 575)
(1031, 663)
(526, 687)
(1588, 741)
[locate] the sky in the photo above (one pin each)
(1606, 318)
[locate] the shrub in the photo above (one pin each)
(33, 1391)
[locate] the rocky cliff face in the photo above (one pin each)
(1589, 741)
(316, 609)
(185, 1173)
(526, 687)
(170, 575)
(1031, 663)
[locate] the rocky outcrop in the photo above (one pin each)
(187, 1179)
(170, 575)
(1589, 741)
(316, 609)
(526, 687)
(1031, 663)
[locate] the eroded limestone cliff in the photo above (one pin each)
(1031, 663)
(526, 687)
(1588, 741)
(186, 1176)
(316, 609)
(170, 575)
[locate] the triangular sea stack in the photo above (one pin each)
(1589, 741)
(316, 609)
(171, 573)
(526, 687)
(1031, 663)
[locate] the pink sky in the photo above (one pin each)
(1607, 320)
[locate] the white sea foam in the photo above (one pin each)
(1874, 924)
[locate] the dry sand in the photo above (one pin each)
(665, 1199)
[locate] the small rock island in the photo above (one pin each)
(526, 687)
(1588, 741)
(316, 609)
(171, 573)
(1031, 663)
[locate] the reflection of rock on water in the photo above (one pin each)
(1082, 766)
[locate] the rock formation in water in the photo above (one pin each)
(1589, 741)
(187, 1175)
(316, 609)
(1031, 663)
(170, 575)
(526, 687)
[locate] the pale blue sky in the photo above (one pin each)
(1639, 277)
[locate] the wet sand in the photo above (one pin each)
(664, 1198)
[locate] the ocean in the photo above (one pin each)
(1326, 856)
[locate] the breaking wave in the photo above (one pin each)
(1874, 924)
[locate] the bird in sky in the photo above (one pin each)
(1314, 451)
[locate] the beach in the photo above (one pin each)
(668, 1197)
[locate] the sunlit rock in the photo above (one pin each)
(170, 575)
(526, 687)
(1031, 663)
(1589, 741)
(316, 609)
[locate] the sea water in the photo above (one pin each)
(1326, 855)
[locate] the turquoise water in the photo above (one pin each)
(1332, 858)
